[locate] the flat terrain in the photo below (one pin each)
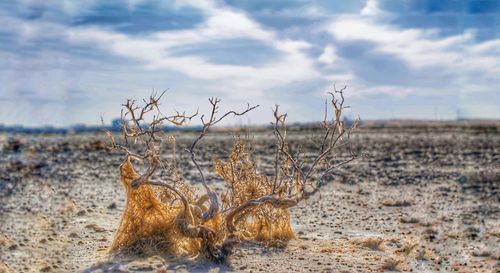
(425, 200)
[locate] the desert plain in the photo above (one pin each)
(425, 199)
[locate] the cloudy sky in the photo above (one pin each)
(64, 62)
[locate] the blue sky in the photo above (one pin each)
(64, 62)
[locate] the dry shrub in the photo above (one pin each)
(166, 214)
(266, 223)
(145, 216)
(390, 264)
(408, 247)
(390, 202)
(481, 253)
(94, 145)
(409, 220)
(372, 243)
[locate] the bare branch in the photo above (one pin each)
(213, 120)
(251, 196)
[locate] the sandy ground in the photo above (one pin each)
(426, 200)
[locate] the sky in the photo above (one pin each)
(65, 62)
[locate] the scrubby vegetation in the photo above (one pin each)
(166, 213)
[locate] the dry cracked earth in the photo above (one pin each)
(425, 200)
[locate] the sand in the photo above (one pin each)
(425, 200)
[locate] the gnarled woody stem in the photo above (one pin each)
(232, 239)
(277, 202)
(291, 174)
(213, 120)
(186, 219)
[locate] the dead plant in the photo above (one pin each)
(253, 207)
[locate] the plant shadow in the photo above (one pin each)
(156, 263)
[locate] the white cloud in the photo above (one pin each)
(329, 56)
(417, 47)
(445, 68)
(421, 48)
(156, 52)
(371, 8)
(222, 24)
(151, 60)
(360, 91)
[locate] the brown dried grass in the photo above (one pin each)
(150, 219)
